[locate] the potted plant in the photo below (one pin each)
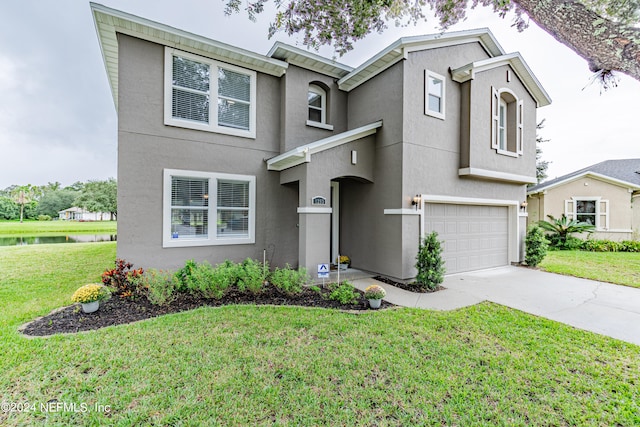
(343, 262)
(374, 294)
(90, 296)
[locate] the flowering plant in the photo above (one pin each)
(90, 293)
(343, 259)
(374, 292)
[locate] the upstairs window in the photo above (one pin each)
(317, 107)
(193, 82)
(507, 124)
(434, 95)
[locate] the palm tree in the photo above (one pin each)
(561, 228)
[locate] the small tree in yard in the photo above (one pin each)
(429, 263)
(536, 246)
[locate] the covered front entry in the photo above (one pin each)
(475, 236)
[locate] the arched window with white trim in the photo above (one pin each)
(507, 125)
(317, 107)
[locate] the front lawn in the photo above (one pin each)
(32, 228)
(246, 365)
(622, 268)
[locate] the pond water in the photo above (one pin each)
(41, 240)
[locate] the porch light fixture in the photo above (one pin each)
(523, 206)
(416, 201)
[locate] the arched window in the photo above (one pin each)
(507, 122)
(317, 99)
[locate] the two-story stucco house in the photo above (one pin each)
(224, 153)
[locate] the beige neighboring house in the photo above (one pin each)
(78, 214)
(606, 195)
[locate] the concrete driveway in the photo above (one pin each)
(607, 309)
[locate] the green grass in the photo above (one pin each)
(244, 365)
(13, 228)
(622, 268)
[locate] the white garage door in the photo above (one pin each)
(475, 237)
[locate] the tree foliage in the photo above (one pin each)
(55, 201)
(99, 196)
(541, 165)
(604, 32)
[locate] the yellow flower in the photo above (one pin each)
(90, 293)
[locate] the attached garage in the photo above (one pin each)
(475, 236)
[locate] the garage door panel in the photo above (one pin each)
(475, 237)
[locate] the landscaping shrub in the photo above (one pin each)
(610, 246)
(429, 263)
(290, 281)
(183, 275)
(44, 218)
(251, 276)
(560, 230)
(122, 279)
(344, 293)
(209, 282)
(161, 285)
(630, 246)
(536, 246)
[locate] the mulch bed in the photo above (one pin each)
(407, 286)
(117, 311)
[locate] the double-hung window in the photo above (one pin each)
(434, 94)
(193, 83)
(203, 208)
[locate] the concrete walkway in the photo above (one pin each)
(603, 308)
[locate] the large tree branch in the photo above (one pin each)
(605, 44)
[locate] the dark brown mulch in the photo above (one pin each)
(407, 286)
(117, 311)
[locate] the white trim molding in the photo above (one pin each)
(402, 212)
(497, 176)
(311, 210)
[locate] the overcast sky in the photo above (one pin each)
(58, 120)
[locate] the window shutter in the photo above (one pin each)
(569, 209)
(495, 116)
(234, 99)
(603, 214)
(520, 130)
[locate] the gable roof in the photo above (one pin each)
(519, 66)
(309, 60)
(109, 22)
(624, 172)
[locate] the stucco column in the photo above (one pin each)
(314, 237)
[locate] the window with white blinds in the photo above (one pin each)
(191, 83)
(192, 199)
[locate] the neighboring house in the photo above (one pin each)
(606, 195)
(78, 214)
(226, 153)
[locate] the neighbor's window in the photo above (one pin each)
(194, 200)
(434, 94)
(191, 84)
(592, 210)
(507, 125)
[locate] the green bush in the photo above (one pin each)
(209, 282)
(44, 218)
(610, 246)
(290, 281)
(344, 293)
(252, 275)
(184, 275)
(161, 286)
(560, 230)
(536, 246)
(630, 246)
(429, 263)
